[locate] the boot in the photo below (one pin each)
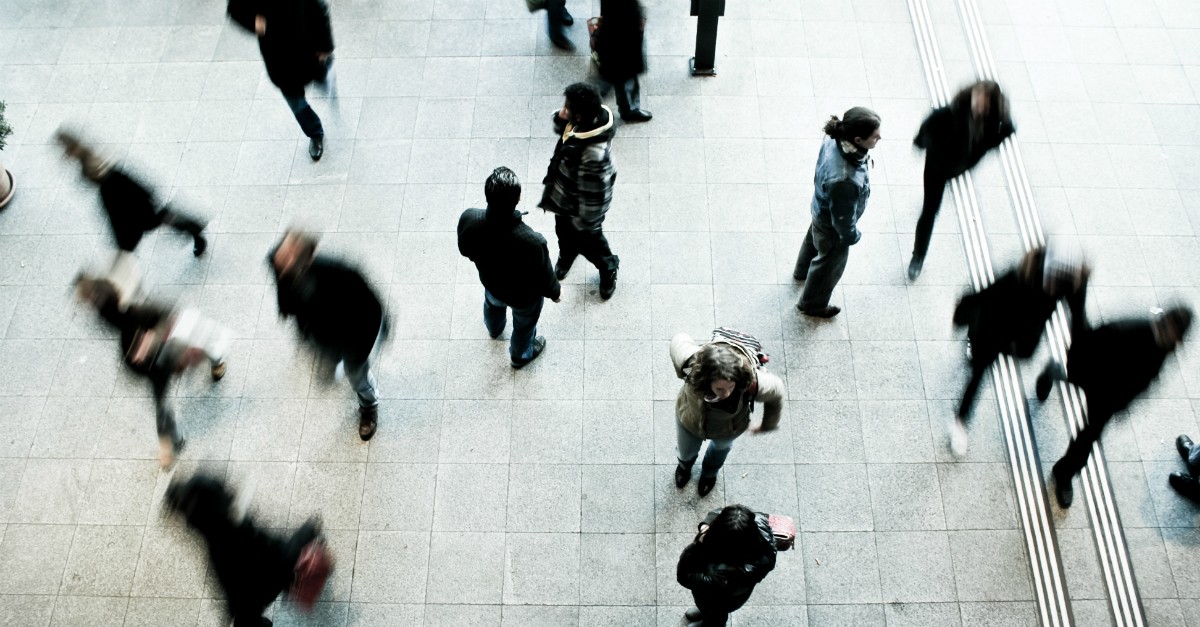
(705, 485)
(562, 267)
(608, 283)
(1063, 490)
(368, 420)
(683, 473)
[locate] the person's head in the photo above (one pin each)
(96, 291)
(582, 104)
(1171, 326)
(734, 533)
(502, 190)
(718, 371)
(985, 98)
(94, 166)
(859, 126)
(294, 253)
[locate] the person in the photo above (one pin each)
(157, 344)
(296, 41)
(722, 381)
(579, 184)
(131, 208)
(955, 137)
(842, 185)
(336, 310)
(1009, 316)
(513, 263)
(1186, 484)
(1112, 364)
(621, 49)
(723, 564)
(557, 19)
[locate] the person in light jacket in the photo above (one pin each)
(842, 186)
(724, 563)
(721, 385)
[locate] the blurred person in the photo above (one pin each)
(336, 310)
(253, 565)
(579, 184)
(557, 19)
(131, 208)
(1009, 316)
(1186, 483)
(955, 137)
(621, 48)
(157, 344)
(296, 41)
(1112, 364)
(724, 563)
(722, 381)
(514, 266)
(842, 185)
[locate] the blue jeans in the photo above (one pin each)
(520, 347)
(688, 448)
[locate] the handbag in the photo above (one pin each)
(782, 527)
(311, 573)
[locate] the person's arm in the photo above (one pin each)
(682, 348)
(553, 287)
(694, 573)
(771, 392)
(320, 30)
(925, 135)
(594, 180)
(843, 212)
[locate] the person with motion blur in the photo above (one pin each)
(955, 137)
(621, 48)
(1112, 364)
(557, 19)
(723, 564)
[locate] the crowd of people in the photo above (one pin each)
(342, 317)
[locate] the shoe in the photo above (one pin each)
(539, 345)
(1063, 490)
(682, 475)
(1185, 485)
(637, 115)
(705, 485)
(914, 268)
(824, 312)
(316, 147)
(566, 18)
(699, 623)
(562, 267)
(693, 614)
(799, 279)
(200, 246)
(218, 371)
(958, 437)
(562, 43)
(608, 284)
(368, 420)
(496, 335)
(1184, 444)
(1044, 384)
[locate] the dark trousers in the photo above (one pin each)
(181, 222)
(164, 416)
(629, 96)
(978, 369)
(820, 265)
(1098, 415)
(935, 189)
(590, 243)
(555, 10)
(715, 612)
(309, 122)
(525, 319)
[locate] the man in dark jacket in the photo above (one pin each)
(336, 310)
(621, 47)
(513, 263)
(579, 184)
(131, 209)
(1112, 364)
(296, 42)
(955, 137)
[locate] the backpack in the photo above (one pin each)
(746, 343)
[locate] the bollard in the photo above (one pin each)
(708, 12)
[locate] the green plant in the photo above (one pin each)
(5, 129)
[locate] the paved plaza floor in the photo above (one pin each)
(544, 497)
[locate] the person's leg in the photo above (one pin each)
(594, 247)
(169, 440)
(1045, 382)
(935, 188)
(978, 369)
(187, 225)
(556, 24)
(362, 380)
(1076, 457)
(568, 247)
(687, 445)
(309, 122)
(495, 314)
(714, 457)
(825, 272)
(525, 319)
(808, 252)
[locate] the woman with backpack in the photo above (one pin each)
(724, 563)
(722, 380)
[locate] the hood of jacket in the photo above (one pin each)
(602, 133)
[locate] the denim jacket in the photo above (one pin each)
(841, 188)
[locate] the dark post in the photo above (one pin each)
(704, 63)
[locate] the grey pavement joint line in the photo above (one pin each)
(1124, 597)
(1041, 544)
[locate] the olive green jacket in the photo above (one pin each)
(697, 417)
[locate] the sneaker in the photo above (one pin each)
(914, 268)
(539, 345)
(958, 437)
(368, 420)
(822, 312)
(705, 485)
(608, 284)
(218, 371)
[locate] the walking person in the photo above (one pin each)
(955, 137)
(336, 311)
(131, 208)
(1186, 483)
(1009, 316)
(723, 564)
(557, 21)
(514, 266)
(621, 48)
(1112, 364)
(722, 381)
(579, 184)
(296, 41)
(842, 185)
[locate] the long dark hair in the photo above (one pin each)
(717, 361)
(856, 122)
(734, 535)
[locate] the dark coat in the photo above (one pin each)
(334, 307)
(297, 30)
(946, 136)
(130, 323)
(1008, 317)
(620, 41)
(130, 208)
(725, 586)
(513, 260)
(1115, 362)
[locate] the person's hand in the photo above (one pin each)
(322, 56)
(557, 300)
(562, 114)
(260, 25)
